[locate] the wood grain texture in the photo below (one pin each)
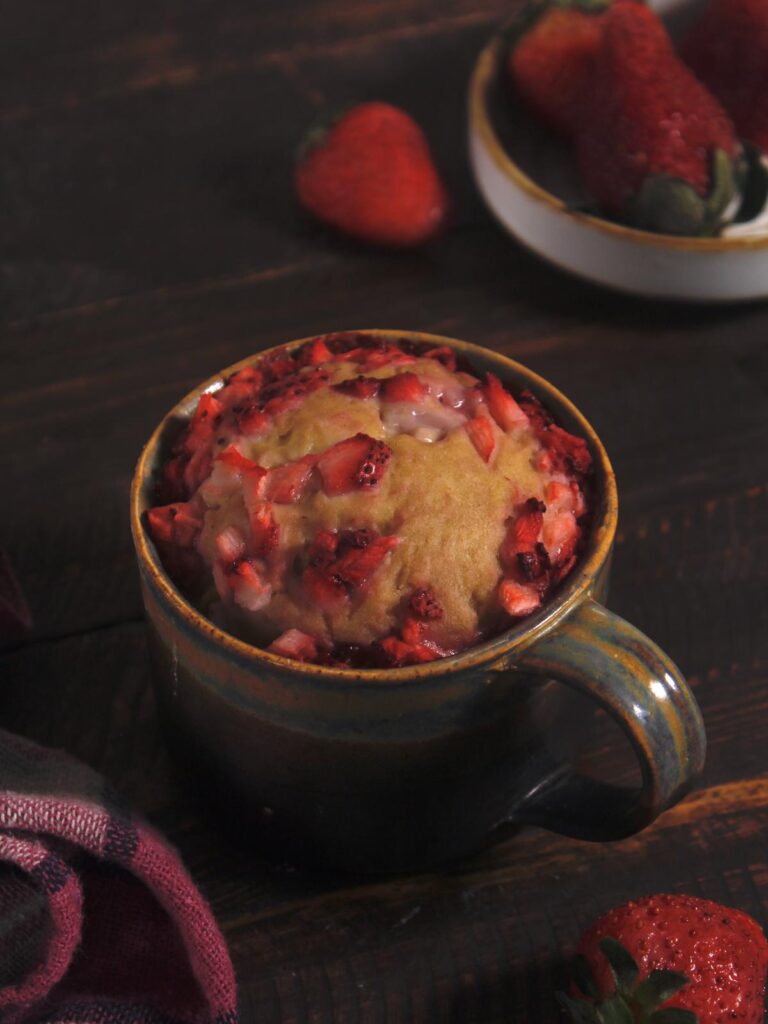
(150, 237)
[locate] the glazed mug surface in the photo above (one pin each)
(407, 768)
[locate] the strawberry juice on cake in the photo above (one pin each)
(359, 502)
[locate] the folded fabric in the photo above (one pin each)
(99, 921)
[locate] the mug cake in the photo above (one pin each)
(367, 502)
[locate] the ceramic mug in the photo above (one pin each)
(406, 768)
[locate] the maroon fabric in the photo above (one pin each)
(99, 921)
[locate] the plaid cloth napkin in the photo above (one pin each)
(99, 921)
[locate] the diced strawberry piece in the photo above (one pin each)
(295, 644)
(351, 355)
(265, 532)
(197, 469)
(208, 408)
(254, 487)
(172, 487)
(230, 544)
(573, 451)
(533, 565)
(443, 355)
(412, 630)
(314, 352)
(160, 522)
(186, 527)
(356, 563)
(543, 461)
(560, 536)
(537, 415)
(502, 405)
(398, 653)
(562, 497)
(252, 421)
(279, 364)
(326, 591)
(340, 564)
(232, 456)
(251, 591)
(359, 387)
(174, 529)
(403, 387)
(357, 462)
(480, 432)
(387, 356)
(288, 483)
(425, 605)
(527, 525)
(249, 375)
(518, 599)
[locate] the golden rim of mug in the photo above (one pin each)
(576, 588)
(483, 77)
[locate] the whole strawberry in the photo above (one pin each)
(371, 175)
(655, 148)
(552, 46)
(728, 49)
(670, 959)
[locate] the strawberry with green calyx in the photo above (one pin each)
(370, 174)
(551, 48)
(670, 959)
(727, 47)
(655, 148)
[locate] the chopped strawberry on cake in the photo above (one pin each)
(361, 502)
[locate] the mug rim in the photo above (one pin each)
(574, 591)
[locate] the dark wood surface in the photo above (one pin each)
(149, 237)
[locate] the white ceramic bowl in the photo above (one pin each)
(530, 182)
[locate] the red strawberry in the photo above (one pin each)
(565, 452)
(340, 565)
(728, 49)
(371, 175)
(480, 432)
(265, 532)
(359, 387)
(403, 387)
(232, 456)
(312, 353)
(357, 462)
(504, 408)
(288, 483)
(295, 644)
(242, 581)
(251, 420)
(444, 355)
(518, 599)
(398, 652)
(671, 958)
(424, 605)
(552, 50)
(655, 148)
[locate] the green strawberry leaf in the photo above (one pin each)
(658, 987)
(615, 1011)
(583, 978)
(623, 967)
(579, 1011)
(673, 1015)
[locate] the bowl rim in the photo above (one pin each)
(484, 73)
(574, 591)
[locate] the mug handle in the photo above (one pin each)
(603, 656)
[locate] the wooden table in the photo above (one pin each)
(150, 237)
